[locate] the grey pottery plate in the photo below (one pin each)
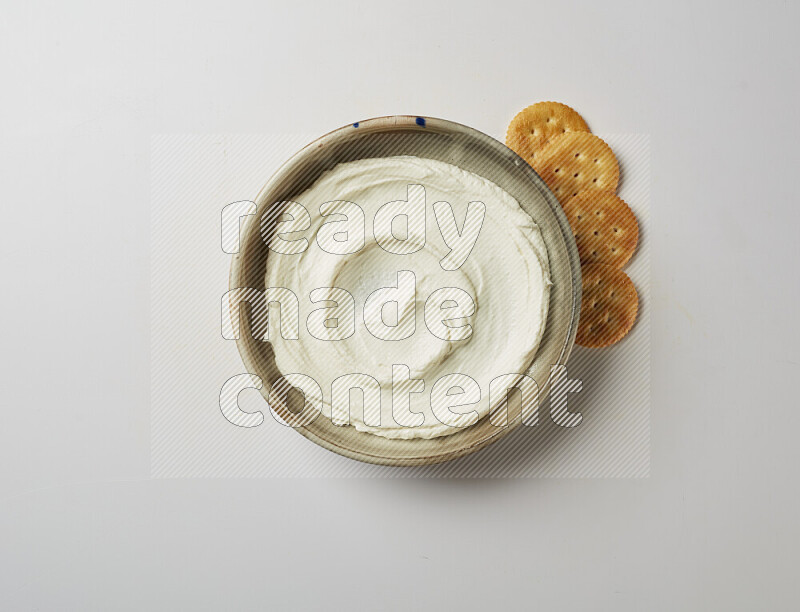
(463, 147)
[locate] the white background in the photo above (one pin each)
(83, 527)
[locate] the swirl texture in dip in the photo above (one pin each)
(506, 275)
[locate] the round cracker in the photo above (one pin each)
(609, 306)
(604, 226)
(536, 125)
(575, 162)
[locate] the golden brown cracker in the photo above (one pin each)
(609, 307)
(604, 226)
(537, 124)
(575, 162)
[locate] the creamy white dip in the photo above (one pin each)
(506, 275)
